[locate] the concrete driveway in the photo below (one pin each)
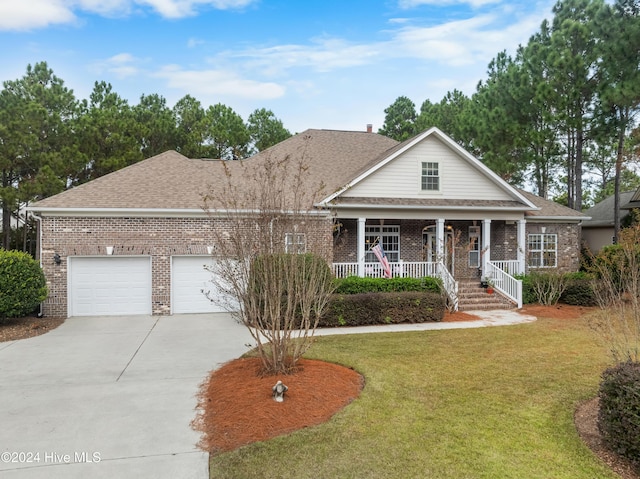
(110, 397)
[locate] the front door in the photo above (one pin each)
(429, 242)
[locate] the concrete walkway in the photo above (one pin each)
(113, 397)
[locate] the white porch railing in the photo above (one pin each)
(509, 266)
(408, 269)
(449, 283)
(401, 269)
(504, 282)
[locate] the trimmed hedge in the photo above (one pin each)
(619, 416)
(383, 308)
(22, 284)
(357, 285)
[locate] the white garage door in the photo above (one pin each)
(109, 286)
(189, 282)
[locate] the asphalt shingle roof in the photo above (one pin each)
(171, 181)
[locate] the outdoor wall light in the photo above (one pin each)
(56, 258)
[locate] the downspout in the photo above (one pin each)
(39, 249)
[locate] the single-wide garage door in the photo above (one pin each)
(189, 283)
(109, 286)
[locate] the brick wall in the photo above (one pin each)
(160, 238)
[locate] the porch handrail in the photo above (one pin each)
(449, 283)
(504, 282)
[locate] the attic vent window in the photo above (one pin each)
(430, 176)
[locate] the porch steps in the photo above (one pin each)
(472, 296)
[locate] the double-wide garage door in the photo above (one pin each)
(109, 286)
(119, 285)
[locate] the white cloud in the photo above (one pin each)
(218, 83)
(33, 14)
(122, 65)
(194, 42)
(322, 55)
(455, 43)
(30, 14)
(184, 8)
(441, 3)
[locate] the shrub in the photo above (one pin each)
(619, 416)
(579, 290)
(22, 284)
(528, 297)
(357, 285)
(383, 308)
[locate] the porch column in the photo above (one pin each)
(522, 245)
(486, 245)
(361, 251)
(440, 239)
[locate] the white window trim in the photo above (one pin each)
(295, 243)
(422, 176)
(377, 232)
(542, 250)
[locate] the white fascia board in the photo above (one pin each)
(155, 212)
(453, 145)
(423, 207)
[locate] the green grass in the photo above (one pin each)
(491, 403)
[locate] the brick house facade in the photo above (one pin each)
(149, 220)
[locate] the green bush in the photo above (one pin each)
(357, 285)
(579, 290)
(528, 296)
(619, 416)
(22, 284)
(383, 308)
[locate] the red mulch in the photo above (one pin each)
(236, 407)
(558, 311)
(459, 316)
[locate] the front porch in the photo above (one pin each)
(455, 250)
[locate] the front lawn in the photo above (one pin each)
(476, 403)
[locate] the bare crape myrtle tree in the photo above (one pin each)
(617, 290)
(270, 254)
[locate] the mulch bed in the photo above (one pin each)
(236, 407)
(28, 327)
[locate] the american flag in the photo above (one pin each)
(382, 257)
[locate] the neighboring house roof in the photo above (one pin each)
(634, 202)
(342, 161)
(601, 214)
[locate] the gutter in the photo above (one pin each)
(157, 212)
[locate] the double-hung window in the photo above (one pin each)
(388, 236)
(543, 250)
(295, 243)
(430, 176)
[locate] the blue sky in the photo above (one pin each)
(315, 63)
